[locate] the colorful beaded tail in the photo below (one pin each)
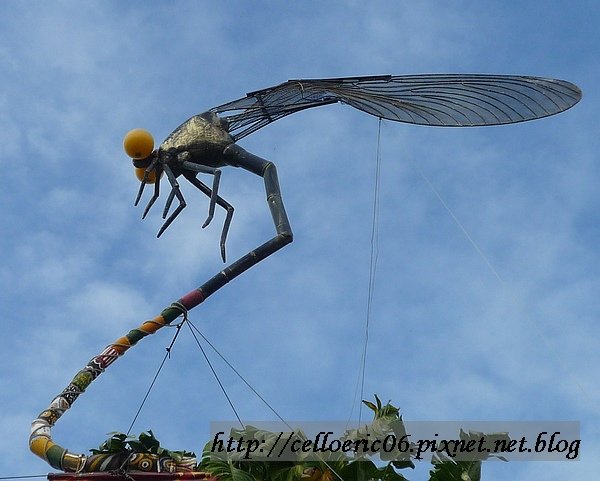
(40, 440)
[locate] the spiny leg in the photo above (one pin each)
(215, 188)
(222, 202)
(145, 180)
(140, 190)
(168, 203)
(158, 173)
(235, 156)
(177, 192)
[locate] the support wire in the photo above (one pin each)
(558, 356)
(360, 382)
(193, 328)
(215, 374)
(167, 356)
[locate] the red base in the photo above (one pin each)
(129, 476)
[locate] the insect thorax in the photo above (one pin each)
(204, 136)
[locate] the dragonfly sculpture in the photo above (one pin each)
(207, 142)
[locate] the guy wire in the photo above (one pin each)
(238, 374)
(215, 374)
(193, 328)
(372, 270)
(167, 356)
(502, 282)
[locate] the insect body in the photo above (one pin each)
(196, 146)
(202, 144)
(207, 142)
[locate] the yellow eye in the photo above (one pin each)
(139, 173)
(138, 143)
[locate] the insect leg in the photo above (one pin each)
(215, 188)
(168, 203)
(222, 202)
(156, 192)
(144, 180)
(237, 157)
(177, 192)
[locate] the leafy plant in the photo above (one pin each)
(146, 442)
(234, 466)
(387, 420)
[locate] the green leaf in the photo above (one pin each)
(370, 405)
(179, 455)
(403, 464)
(114, 444)
(380, 410)
(491, 441)
(288, 473)
(150, 442)
(360, 470)
(446, 469)
(226, 471)
(136, 446)
(388, 473)
(365, 470)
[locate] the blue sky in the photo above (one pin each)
(450, 337)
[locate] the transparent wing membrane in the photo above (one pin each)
(438, 100)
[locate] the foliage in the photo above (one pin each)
(387, 420)
(146, 442)
(235, 466)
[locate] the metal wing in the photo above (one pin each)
(459, 100)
